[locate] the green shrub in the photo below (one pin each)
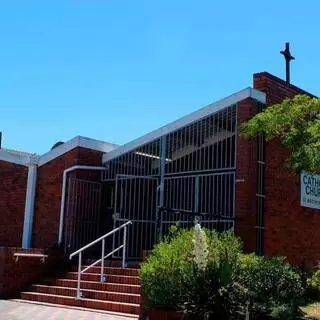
(272, 285)
(314, 280)
(313, 286)
(170, 278)
(161, 274)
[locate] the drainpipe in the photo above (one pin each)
(29, 203)
(63, 198)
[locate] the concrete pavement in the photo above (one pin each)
(17, 310)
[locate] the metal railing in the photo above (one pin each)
(103, 256)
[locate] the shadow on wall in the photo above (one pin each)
(16, 275)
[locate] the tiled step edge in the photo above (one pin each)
(94, 285)
(88, 293)
(109, 278)
(85, 303)
(113, 271)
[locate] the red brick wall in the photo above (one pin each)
(246, 180)
(290, 230)
(275, 88)
(13, 183)
(48, 195)
(15, 276)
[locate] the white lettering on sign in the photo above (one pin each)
(310, 190)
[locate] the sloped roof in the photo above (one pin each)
(186, 120)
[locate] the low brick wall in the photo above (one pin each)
(16, 276)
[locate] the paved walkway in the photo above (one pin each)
(13, 310)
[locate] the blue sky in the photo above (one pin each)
(116, 69)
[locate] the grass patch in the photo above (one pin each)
(312, 310)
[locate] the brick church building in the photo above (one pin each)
(197, 165)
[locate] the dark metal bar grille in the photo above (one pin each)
(260, 195)
(169, 180)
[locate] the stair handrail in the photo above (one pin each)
(103, 256)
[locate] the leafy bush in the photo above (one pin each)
(272, 285)
(161, 274)
(313, 286)
(208, 276)
(314, 280)
(171, 279)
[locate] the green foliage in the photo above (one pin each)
(162, 272)
(296, 122)
(283, 312)
(272, 285)
(313, 286)
(314, 280)
(170, 279)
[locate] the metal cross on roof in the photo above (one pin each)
(288, 57)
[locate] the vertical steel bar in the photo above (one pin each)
(184, 193)
(196, 195)
(124, 247)
(207, 147)
(225, 194)
(234, 195)
(141, 233)
(220, 119)
(213, 129)
(115, 213)
(102, 260)
(193, 147)
(162, 168)
(79, 275)
(134, 209)
(184, 147)
(138, 216)
(99, 208)
(68, 232)
(214, 195)
(86, 216)
(189, 167)
(221, 196)
(197, 144)
(78, 215)
(235, 136)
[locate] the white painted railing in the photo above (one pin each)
(103, 256)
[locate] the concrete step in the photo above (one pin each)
(109, 278)
(113, 271)
(113, 263)
(107, 305)
(88, 294)
(93, 285)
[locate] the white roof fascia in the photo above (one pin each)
(13, 158)
(22, 159)
(186, 120)
(78, 141)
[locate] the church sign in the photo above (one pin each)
(310, 190)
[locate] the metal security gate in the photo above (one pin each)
(136, 200)
(81, 225)
(209, 197)
(172, 175)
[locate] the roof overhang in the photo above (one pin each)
(26, 159)
(17, 158)
(76, 142)
(187, 120)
